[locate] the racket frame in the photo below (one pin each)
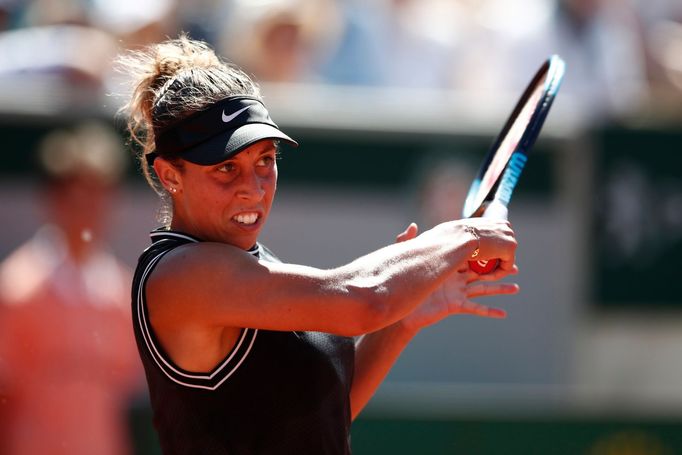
(551, 72)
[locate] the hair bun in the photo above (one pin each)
(181, 54)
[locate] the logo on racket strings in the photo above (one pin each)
(511, 176)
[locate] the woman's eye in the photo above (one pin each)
(266, 161)
(227, 167)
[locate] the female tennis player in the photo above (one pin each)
(245, 354)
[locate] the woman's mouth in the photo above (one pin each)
(246, 219)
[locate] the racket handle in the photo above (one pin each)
(484, 267)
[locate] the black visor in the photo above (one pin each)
(218, 133)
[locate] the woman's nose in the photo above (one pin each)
(251, 186)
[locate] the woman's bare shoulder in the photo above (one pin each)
(183, 273)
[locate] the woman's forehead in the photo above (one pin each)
(260, 147)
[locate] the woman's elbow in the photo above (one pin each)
(369, 310)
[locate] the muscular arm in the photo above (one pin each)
(378, 351)
(219, 285)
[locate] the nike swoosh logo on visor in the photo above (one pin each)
(229, 118)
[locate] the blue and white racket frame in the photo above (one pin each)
(552, 71)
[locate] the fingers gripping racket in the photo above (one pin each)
(494, 184)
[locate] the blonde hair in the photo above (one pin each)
(88, 149)
(171, 81)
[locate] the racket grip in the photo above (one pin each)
(484, 267)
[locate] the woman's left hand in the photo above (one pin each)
(453, 296)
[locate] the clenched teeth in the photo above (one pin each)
(246, 218)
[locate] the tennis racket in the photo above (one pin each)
(494, 184)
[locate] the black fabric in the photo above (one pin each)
(289, 393)
(218, 132)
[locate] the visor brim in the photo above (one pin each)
(226, 145)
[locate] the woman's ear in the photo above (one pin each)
(169, 175)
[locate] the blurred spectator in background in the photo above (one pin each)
(278, 40)
(133, 24)
(602, 44)
(662, 28)
(490, 47)
(62, 54)
(619, 52)
(396, 43)
(487, 50)
(7, 9)
(59, 52)
(126, 20)
(68, 362)
(202, 19)
(77, 34)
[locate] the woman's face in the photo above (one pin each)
(227, 202)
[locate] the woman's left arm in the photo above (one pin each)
(375, 353)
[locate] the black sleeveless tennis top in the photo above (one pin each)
(274, 393)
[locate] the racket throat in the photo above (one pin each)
(496, 210)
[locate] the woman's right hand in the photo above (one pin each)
(454, 295)
(493, 238)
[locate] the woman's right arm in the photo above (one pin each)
(212, 284)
